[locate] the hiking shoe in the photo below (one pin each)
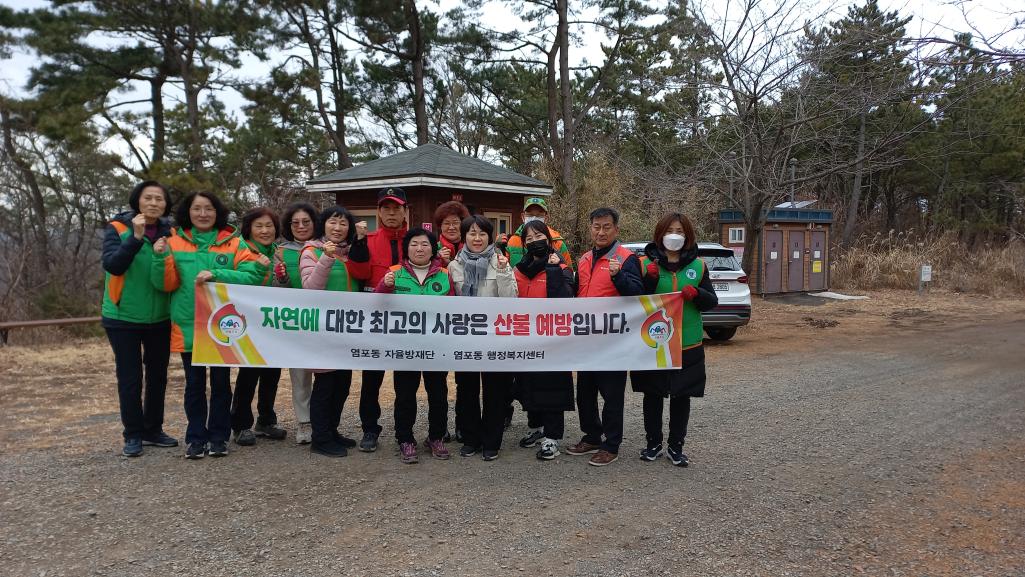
(369, 442)
(245, 438)
(330, 449)
(133, 448)
(549, 450)
(347, 442)
(676, 456)
(270, 431)
(407, 452)
(652, 452)
(437, 448)
(532, 438)
(195, 451)
(303, 434)
(160, 439)
(489, 454)
(582, 448)
(468, 451)
(218, 448)
(602, 458)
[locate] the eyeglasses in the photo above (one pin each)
(306, 222)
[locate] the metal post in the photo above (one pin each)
(793, 176)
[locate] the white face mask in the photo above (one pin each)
(531, 219)
(674, 241)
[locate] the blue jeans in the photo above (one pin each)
(207, 423)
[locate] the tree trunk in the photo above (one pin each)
(38, 221)
(852, 209)
(566, 89)
(157, 102)
(418, 41)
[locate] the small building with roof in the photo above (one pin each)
(432, 174)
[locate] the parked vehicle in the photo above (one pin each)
(730, 283)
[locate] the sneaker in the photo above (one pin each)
(369, 442)
(245, 438)
(602, 458)
(329, 449)
(676, 456)
(408, 453)
(270, 431)
(582, 448)
(437, 448)
(195, 451)
(160, 439)
(133, 448)
(489, 454)
(468, 451)
(652, 452)
(347, 442)
(549, 450)
(447, 437)
(218, 448)
(303, 434)
(532, 438)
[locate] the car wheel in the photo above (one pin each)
(721, 333)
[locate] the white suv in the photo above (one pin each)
(730, 283)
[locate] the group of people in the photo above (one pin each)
(153, 268)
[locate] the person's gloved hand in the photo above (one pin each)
(280, 272)
(689, 293)
(652, 269)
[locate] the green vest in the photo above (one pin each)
(437, 283)
(267, 251)
(291, 259)
(670, 282)
(131, 297)
(338, 279)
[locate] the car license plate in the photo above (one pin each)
(721, 287)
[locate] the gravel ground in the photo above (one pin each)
(892, 443)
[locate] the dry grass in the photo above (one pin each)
(894, 260)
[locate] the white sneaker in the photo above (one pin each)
(549, 449)
(303, 434)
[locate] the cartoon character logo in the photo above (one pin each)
(657, 329)
(226, 325)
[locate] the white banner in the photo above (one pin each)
(253, 326)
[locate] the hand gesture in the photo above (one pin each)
(160, 247)
(615, 266)
(503, 261)
(138, 226)
(502, 239)
(652, 270)
(361, 230)
(445, 254)
(330, 248)
(262, 259)
(554, 258)
(389, 279)
(205, 276)
(279, 254)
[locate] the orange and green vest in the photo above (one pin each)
(130, 297)
(338, 279)
(670, 282)
(516, 250)
(290, 257)
(406, 283)
(221, 252)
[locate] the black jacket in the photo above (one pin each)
(117, 256)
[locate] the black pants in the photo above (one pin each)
(679, 415)
(245, 388)
(149, 346)
(553, 422)
(207, 422)
(611, 385)
(407, 383)
(330, 390)
(482, 428)
(370, 402)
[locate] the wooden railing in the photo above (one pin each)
(7, 326)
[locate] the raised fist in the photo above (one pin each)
(138, 226)
(389, 279)
(503, 261)
(445, 254)
(615, 266)
(689, 293)
(652, 269)
(160, 247)
(330, 248)
(361, 229)
(554, 258)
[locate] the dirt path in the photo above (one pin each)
(889, 443)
